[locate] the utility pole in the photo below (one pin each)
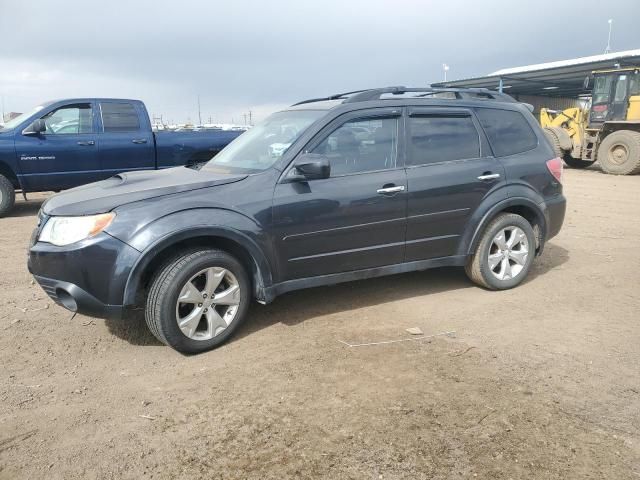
(199, 113)
(608, 49)
(250, 117)
(245, 118)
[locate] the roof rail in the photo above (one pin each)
(376, 93)
(335, 96)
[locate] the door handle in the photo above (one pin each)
(399, 188)
(86, 143)
(139, 140)
(489, 176)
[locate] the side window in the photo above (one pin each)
(621, 89)
(440, 138)
(119, 117)
(69, 120)
(508, 131)
(361, 145)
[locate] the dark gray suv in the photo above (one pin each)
(347, 187)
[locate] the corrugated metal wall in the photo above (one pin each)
(554, 103)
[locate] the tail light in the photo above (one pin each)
(555, 167)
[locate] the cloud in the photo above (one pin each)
(244, 55)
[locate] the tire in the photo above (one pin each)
(619, 153)
(576, 162)
(7, 195)
(478, 268)
(554, 141)
(208, 329)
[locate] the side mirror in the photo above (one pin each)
(311, 166)
(585, 84)
(37, 127)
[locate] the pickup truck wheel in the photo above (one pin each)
(7, 195)
(197, 301)
(504, 254)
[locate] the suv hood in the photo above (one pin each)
(127, 187)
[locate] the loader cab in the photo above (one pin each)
(616, 96)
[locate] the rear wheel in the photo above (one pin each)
(619, 153)
(198, 300)
(7, 195)
(504, 254)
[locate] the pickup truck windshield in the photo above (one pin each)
(259, 148)
(14, 122)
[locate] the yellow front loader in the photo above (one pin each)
(607, 130)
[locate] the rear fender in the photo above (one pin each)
(519, 196)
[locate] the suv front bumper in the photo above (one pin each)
(87, 277)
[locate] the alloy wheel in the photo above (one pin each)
(508, 253)
(208, 303)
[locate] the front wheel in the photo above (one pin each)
(197, 301)
(504, 254)
(7, 195)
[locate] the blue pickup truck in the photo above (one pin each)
(66, 143)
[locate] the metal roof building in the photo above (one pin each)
(562, 79)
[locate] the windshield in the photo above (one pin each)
(259, 148)
(21, 118)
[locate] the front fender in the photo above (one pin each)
(156, 237)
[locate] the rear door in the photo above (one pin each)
(356, 218)
(65, 154)
(449, 171)
(125, 140)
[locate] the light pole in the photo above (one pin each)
(445, 69)
(608, 49)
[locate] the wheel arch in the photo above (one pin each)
(8, 172)
(611, 127)
(231, 241)
(523, 206)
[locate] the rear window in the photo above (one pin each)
(436, 139)
(119, 117)
(508, 131)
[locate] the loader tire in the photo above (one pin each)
(619, 153)
(554, 141)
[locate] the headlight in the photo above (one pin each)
(66, 230)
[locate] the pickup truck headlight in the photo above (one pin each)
(67, 230)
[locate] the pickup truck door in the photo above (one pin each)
(65, 154)
(125, 141)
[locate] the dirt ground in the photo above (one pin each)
(542, 381)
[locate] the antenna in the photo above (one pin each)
(608, 49)
(199, 113)
(445, 69)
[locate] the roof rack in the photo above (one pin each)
(376, 93)
(335, 96)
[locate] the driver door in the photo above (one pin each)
(356, 218)
(65, 154)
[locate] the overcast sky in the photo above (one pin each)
(262, 55)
